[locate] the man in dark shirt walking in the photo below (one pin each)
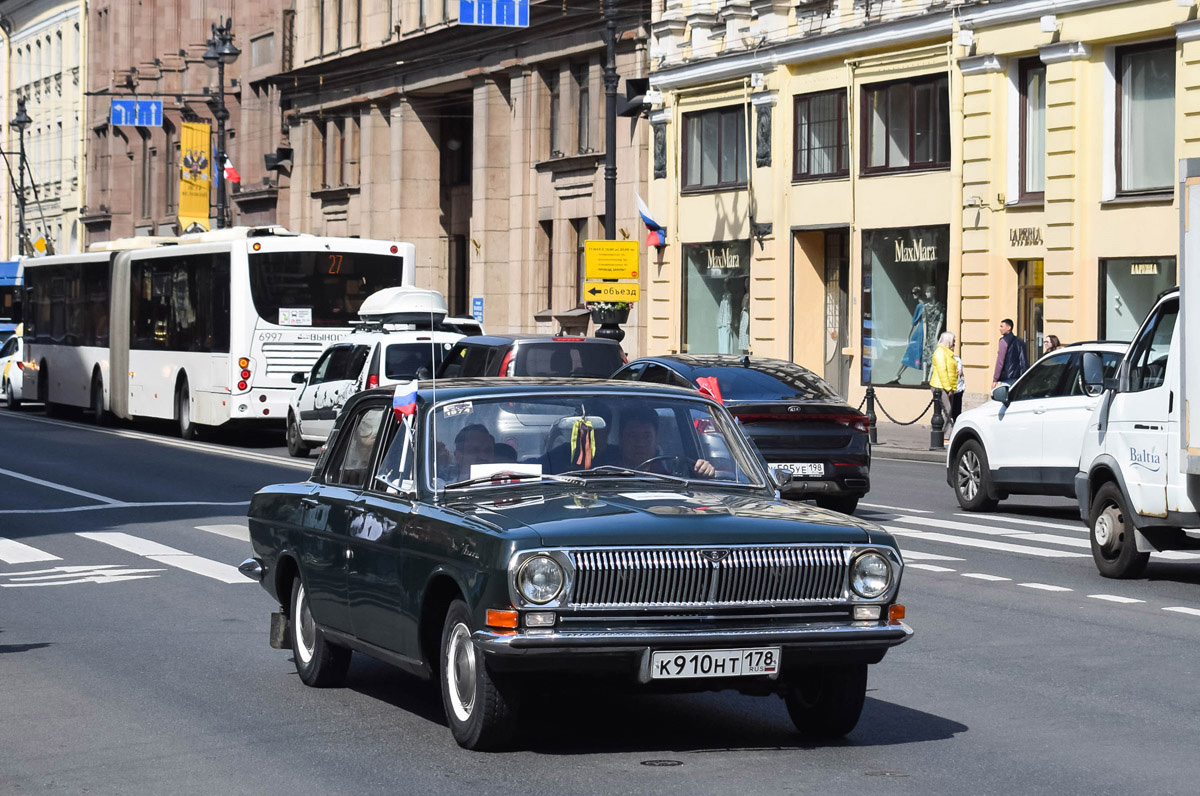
(1011, 360)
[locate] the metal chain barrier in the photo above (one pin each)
(862, 403)
(879, 403)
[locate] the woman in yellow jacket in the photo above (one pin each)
(944, 376)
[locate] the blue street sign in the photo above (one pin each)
(477, 309)
(136, 113)
(494, 13)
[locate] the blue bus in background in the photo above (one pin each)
(10, 298)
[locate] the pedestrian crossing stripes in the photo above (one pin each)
(168, 555)
(18, 553)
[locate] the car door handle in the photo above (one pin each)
(349, 553)
(310, 501)
(1039, 411)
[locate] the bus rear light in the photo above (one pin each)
(266, 411)
(245, 374)
(241, 385)
(243, 363)
(258, 247)
(262, 399)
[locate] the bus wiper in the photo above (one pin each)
(614, 471)
(511, 476)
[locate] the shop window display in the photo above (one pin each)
(1129, 289)
(717, 298)
(905, 272)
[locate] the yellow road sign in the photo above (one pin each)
(610, 259)
(612, 291)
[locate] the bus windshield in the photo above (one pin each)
(308, 288)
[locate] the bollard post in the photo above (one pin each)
(874, 432)
(938, 424)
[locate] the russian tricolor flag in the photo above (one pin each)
(404, 400)
(658, 233)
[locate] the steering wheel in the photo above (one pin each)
(673, 468)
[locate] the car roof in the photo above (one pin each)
(697, 361)
(1113, 346)
(404, 336)
(507, 339)
(484, 387)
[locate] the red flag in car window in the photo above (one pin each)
(708, 386)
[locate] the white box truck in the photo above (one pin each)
(1138, 484)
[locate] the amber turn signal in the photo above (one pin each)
(243, 363)
(501, 618)
(896, 612)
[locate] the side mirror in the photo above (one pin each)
(782, 476)
(1094, 382)
(1001, 394)
(423, 373)
(299, 378)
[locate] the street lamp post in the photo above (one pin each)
(221, 52)
(611, 78)
(19, 123)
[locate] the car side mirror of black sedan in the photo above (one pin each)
(299, 378)
(782, 476)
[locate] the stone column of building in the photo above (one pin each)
(413, 210)
(492, 272)
(1066, 85)
(1187, 34)
(523, 295)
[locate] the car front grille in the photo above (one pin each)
(709, 577)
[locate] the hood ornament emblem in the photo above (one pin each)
(715, 556)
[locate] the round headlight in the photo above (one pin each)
(540, 579)
(870, 576)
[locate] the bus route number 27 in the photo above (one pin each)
(335, 264)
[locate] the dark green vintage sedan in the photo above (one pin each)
(499, 533)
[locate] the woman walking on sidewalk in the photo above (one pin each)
(944, 376)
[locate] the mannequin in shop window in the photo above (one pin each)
(914, 353)
(935, 323)
(734, 308)
(744, 318)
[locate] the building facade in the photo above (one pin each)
(153, 50)
(46, 68)
(850, 180)
(484, 147)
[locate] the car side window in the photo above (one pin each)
(453, 365)
(322, 366)
(475, 362)
(351, 463)
(9, 348)
(1043, 380)
(399, 463)
(1075, 376)
(1152, 350)
(656, 374)
(630, 373)
(356, 361)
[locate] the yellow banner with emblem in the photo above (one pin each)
(195, 175)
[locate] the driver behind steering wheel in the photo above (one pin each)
(637, 445)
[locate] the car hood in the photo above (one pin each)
(590, 517)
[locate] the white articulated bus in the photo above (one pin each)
(201, 329)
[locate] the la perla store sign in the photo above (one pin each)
(915, 251)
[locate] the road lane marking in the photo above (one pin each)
(1044, 587)
(982, 576)
(16, 553)
(60, 487)
(68, 576)
(202, 447)
(168, 555)
(1114, 598)
(929, 567)
(894, 508)
(239, 532)
(167, 503)
(1182, 610)
(1034, 523)
(986, 544)
(1027, 536)
(913, 555)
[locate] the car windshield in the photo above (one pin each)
(562, 358)
(607, 437)
(308, 288)
(763, 382)
(402, 361)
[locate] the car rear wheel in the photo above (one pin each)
(1114, 546)
(971, 478)
(183, 412)
(840, 503)
(826, 702)
(10, 397)
(319, 663)
(295, 443)
(481, 707)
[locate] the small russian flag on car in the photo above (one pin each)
(404, 400)
(708, 386)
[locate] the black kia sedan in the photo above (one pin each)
(793, 416)
(540, 355)
(508, 533)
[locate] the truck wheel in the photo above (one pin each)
(1114, 546)
(319, 663)
(826, 702)
(971, 478)
(481, 708)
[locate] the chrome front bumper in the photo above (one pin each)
(816, 641)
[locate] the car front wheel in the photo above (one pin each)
(971, 478)
(826, 702)
(10, 397)
(481, 708)
(1114, 546)
(318, 662)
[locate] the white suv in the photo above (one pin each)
(360, 361)
(1028, 438)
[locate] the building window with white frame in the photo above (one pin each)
(1146, 118)
(1032, 76)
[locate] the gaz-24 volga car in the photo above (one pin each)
(495, 534)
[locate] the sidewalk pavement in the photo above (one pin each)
(910, 443)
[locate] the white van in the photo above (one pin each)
(1138, 487)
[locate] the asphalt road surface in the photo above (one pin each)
(134, 658)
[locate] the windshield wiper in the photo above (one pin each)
(613, 471)
(510, 476)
